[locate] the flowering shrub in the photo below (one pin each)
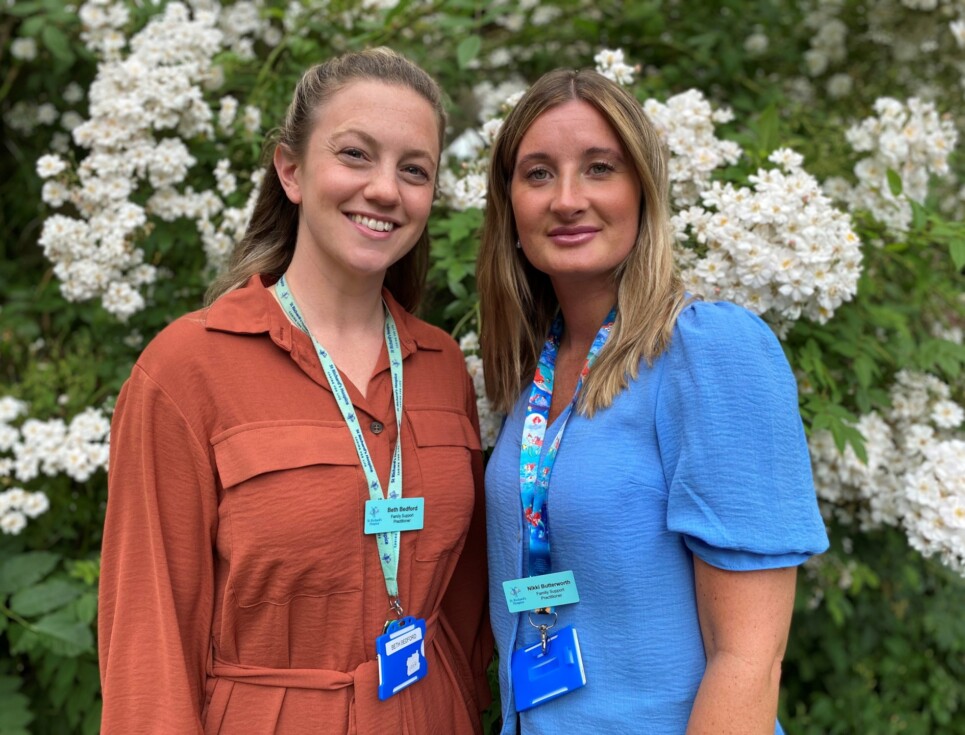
(912, 476)
(831, 207)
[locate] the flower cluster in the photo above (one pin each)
(909, 138)
(914, 477)
(489, 420)
(35, 447)
(17, 505)
(610, 64)
(147, 101)
(686, 123)
(778, 247)
(467, 189)
(156, 88)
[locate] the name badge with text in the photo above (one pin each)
(401, 514)
(546, 590)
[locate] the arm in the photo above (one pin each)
(744, 622)
(156, 587)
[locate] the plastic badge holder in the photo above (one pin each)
(542, 677)
(401, 654)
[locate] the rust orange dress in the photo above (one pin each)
(238, 593)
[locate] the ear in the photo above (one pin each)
(287, 167)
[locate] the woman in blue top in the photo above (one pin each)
(674, 481)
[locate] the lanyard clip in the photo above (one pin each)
(543, 628)
(394, 607)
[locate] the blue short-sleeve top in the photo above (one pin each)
(703, 453)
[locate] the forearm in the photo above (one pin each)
(736, 697)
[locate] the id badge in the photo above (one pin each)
(542, 677)
(401, 652)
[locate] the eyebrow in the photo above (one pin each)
(372, 141)
(589, 152)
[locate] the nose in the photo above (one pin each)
(570, 198)
(383, 186)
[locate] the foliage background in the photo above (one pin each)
(878, 643)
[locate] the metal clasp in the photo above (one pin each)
(394, 607)
(543, 627)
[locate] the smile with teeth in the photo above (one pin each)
(372, 224)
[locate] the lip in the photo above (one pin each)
(377, 234)
(574, 235)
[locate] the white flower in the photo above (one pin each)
(50, 165)
(13, 522)
(756, 43)
(35, 505)
(24, 49)
(11, 408)
(947, 414)
(840, 85)
(958, 31)
(73, 93)
(610, 64)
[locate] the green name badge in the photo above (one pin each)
(398, 514)
(546, 590)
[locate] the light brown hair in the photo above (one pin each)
(269, 241)
(518, 302)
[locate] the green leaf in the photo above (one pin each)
(59, 634)
(22, 9)
(57, 43)
(86, 607)
(44, 597)
(864, 370)
(894, 182)
(63, 681)
(467, 50)
(768, 124)
(24, 570)
(92, 720)
(32, 26)
(956, 248)
(15, 712)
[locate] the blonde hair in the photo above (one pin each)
(269, 241)
(518, 302)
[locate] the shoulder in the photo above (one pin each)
(712, 335)
(721, 325)
(186, 354)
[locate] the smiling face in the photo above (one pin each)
(365, 184)
(575, 196)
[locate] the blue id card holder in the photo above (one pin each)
(401, 652)
(548, 669)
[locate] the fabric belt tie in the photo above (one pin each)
(365, 680)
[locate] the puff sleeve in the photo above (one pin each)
(732, 445)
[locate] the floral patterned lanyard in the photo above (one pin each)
(535, 470)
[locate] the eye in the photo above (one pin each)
(356, 154)
(537, 174)
(600, 168)
(416, 173)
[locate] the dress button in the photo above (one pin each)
(377, 427)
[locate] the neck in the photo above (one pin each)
(583, 314)
(330, 306)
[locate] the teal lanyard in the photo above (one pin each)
(388, 543)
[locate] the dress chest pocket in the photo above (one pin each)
(292, 510)
(445, 441)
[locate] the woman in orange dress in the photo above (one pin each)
(240, 591)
